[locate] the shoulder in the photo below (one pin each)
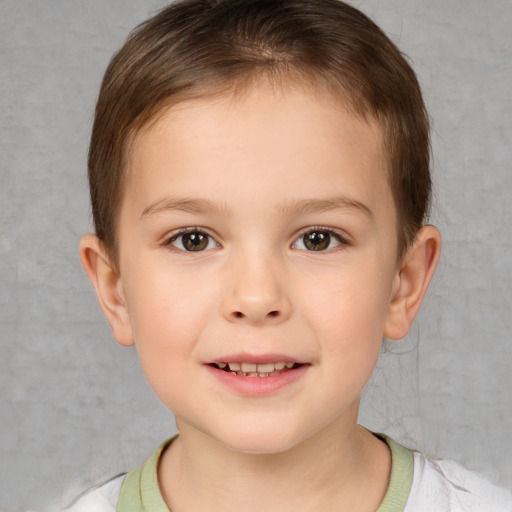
(445, 485)
(102, 498)
(125, 490)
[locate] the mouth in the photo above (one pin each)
(262, 370)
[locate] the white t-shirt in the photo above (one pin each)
(434, 486)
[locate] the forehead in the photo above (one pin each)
(266, 141)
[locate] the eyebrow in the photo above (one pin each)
(294, 207)
(188, 205)
(325, 205)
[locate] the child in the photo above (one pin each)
(259, 174)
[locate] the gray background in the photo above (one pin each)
(74, 407)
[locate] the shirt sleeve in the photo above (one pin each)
(100, 499)
(446, 486)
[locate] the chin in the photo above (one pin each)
(258, 439)
(258, 446)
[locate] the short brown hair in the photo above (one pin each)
(193, 48)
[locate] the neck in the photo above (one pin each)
(346, 469)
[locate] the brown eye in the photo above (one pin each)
(193, 241)
(317, 240)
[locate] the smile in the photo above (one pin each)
(256, 369)
(251, 375)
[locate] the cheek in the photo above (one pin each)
(352, 340)
(347, 313)
(168, 316)
(169, 304)
(352, 304)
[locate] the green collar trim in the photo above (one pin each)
(141, 493)
(400, 480)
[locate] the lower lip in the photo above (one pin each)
(258, 386)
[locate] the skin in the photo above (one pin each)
(255, 174)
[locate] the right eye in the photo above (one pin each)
(193, 241)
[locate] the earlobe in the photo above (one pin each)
(108, 286)
(411, 282)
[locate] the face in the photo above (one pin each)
(257, 261)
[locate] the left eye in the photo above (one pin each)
(193, 241)
(318, 240)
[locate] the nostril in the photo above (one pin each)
(253, 316)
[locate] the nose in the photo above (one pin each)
(256, 292)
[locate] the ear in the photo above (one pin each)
(411, 282)
(108, 286)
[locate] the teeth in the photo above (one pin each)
(266, 368)
(256, 370)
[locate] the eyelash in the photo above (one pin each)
(342, 240)
(175, 236)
